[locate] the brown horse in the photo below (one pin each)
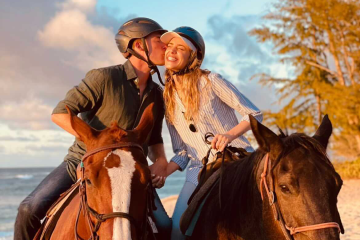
(299, 188)
(115, 179)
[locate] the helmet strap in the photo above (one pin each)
(148, 61)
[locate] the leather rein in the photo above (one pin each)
(276, 209)
(100, 218)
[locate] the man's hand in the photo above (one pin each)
(158, 169)
(157, 181)
(158, 173)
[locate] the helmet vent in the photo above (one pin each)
(144, 21)
(121, 32)
(128, 23)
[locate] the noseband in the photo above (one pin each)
(100, 218)
(275, 206)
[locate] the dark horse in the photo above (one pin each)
(303, 188)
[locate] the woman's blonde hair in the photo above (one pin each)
(190, 89)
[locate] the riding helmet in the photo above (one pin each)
(195, 37)
(133, 29)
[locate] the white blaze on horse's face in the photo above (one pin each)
(120, 180)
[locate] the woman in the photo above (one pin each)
(198, 101)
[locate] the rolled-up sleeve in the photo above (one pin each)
(85, 96)
(181, 158)
(231, 96)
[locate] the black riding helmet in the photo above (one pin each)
(195, 38)
(137, 28)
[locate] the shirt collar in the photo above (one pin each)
(131, 75)
(129, 70)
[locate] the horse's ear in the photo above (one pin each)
(268, 141)
(145, 125)
(84, 131)
(324, 131)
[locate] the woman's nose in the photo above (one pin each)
(172, 49)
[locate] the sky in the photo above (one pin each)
(48, 46)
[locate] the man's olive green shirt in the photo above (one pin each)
(111, 94)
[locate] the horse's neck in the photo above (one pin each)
(65, 226)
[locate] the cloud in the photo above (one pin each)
(238, 57)
(34, 73)
(21, 139)
(38, 67)
(230, 32)
(83, 5)
(29, 148)
(71, 30)
(30, 114)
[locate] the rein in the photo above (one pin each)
(100, 218)
(276, 210)
(206, 160)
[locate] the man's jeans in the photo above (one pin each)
(34, 207)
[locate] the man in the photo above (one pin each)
(118, 93)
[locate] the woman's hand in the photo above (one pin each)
(220, 141)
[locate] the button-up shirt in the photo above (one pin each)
(218, 100)
(111, 94)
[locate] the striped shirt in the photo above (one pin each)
(218, 100)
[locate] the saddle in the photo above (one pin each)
(55, 211)
(208, 178)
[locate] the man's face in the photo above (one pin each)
(156, 49)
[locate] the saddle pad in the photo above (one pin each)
(197, 201)
(55, 211)
(196, 216)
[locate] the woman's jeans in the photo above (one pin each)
(34, 207)
(180, 208)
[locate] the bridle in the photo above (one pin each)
(275, 206)
(100, 218)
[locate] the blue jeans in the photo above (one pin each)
(180, 208)
(162, 220)
(34, 207)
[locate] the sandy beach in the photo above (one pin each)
(348, 205)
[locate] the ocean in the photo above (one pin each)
(17, 183)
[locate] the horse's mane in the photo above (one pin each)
(310, 144)
(238, 185)
(239, 188)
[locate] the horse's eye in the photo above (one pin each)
(88, 182)
(284, 189)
